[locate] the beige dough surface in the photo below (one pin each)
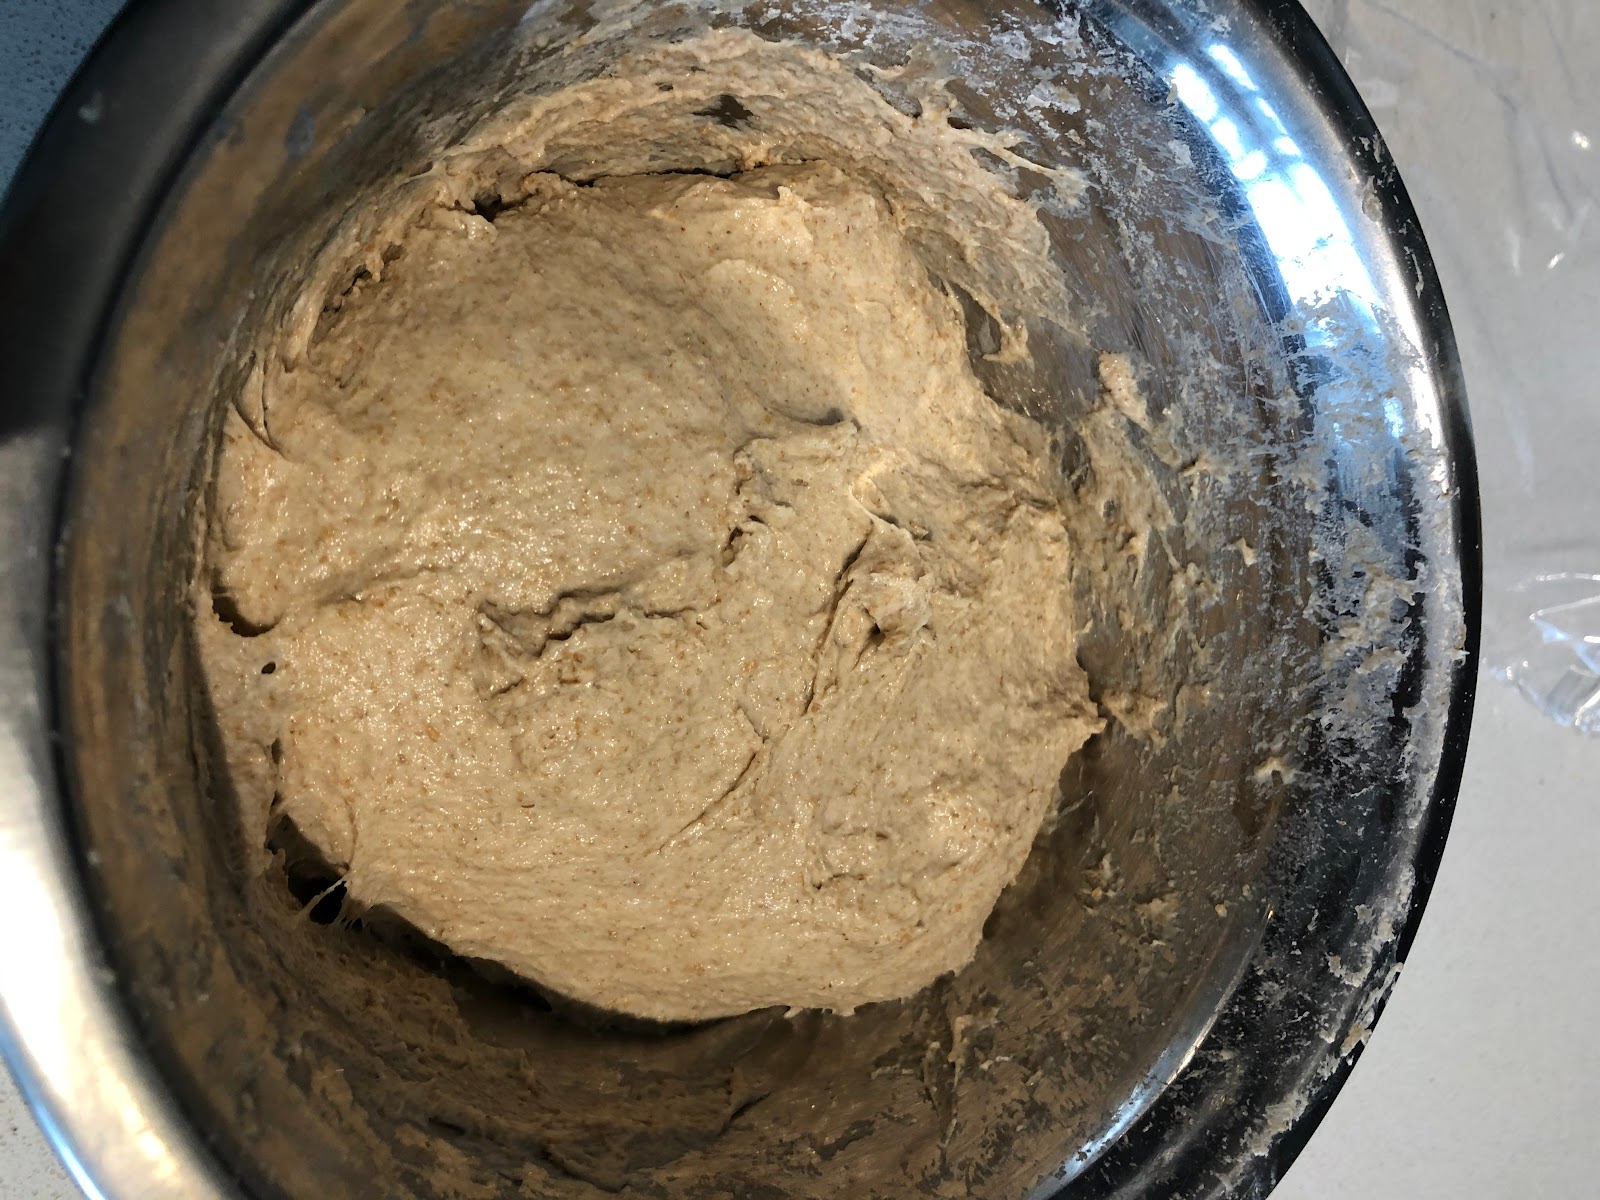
(651, 601)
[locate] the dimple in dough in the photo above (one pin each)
(655, 602)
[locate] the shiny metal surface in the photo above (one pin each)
(1299, 260)
(75, 1053)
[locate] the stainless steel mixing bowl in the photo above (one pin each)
(1171, 994)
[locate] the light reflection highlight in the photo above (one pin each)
(1313, 244)
(1336, 302)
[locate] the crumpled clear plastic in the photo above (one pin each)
(1542, 635)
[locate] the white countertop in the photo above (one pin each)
(1483, 1079)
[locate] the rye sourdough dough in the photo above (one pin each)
(655, 604)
